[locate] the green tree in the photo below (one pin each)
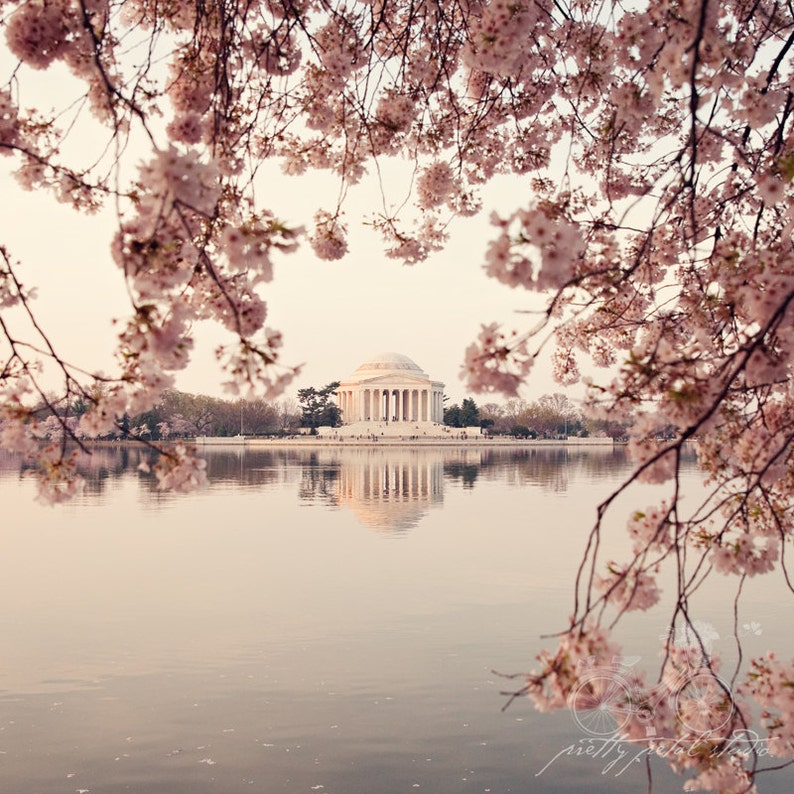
(469, 413)
(317, 408)
(309, 401)
(452, 416)
(330, 415)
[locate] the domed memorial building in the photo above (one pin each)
(390, 395)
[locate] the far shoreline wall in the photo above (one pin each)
(397, 441)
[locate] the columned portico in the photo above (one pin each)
(391, 391)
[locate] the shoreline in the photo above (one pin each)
(397, 441)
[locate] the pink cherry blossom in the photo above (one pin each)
(629, 589)
(328, 240)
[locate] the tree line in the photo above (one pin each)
(183, 415)
(180, 414)
(550, 416)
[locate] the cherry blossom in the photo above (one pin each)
(770, 683)
(496, 362)
(328, 239)
(629, 590)
(180, 471)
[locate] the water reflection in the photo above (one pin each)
(391, 489)
(385, 488)
(551, 467)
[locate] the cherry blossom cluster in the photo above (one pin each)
(9, 123)
(329, 237)
(499, 35)
(395, 112)
(536, 249)
(745, 555)
(689, 717)
(338, 50)
(496, 362)
(579, 650)
(179, 470)
(410, 248)
(435, 185)
(771, 684)
(248, 246)
(629, 590)
(57, 478)
(39, 32)
(649, 529)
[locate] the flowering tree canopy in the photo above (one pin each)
(656, 143)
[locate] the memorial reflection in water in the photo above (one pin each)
(391, 489)
(394, 487)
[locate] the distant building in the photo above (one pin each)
(390, 395)
(390, 388)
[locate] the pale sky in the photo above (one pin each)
(333, 315)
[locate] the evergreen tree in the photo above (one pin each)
(469, 413)
(317, 408)
(452, 416)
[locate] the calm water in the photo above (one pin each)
(323, 621)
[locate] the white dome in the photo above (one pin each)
(388, 364)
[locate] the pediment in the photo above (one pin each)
(395, 381)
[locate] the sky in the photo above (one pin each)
(333, 315)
